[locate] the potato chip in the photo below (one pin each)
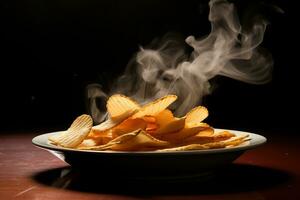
(151, 127)
(155, 107)
(149, 119)
(141, 140)
(190, 130)
(212, 145)
(100, 138)
(127, 126)
(173, 126)
(237, 140)
(196, 115)
(201, 138)
(77, 132)
(108, 133)
(189, 125)
(193, 147)
(88, 143)
(208, 132)
(224, 134)
(164, 117)
(167, 123)
(54, 138)
(131, 141)
(104, 126)
(120, 107)
(118, 140)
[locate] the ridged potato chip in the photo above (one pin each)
(155, 107)
(149, 119)
(212, 145)
(118, 140)
(100, 138)
(196, 115)
(188, 131)
(88, 143)
(167, 123)
(173, 126)
(208, 132)
(237, 140)
(224, 134)
(151, 127)
(205, 138)
(120, 107)
(127, 126)
(131, 141)
(104, 126)
(77, 132)
(109, 123)
(164, 117)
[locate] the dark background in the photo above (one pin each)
(51, 50)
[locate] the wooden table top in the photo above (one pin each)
(271, 171)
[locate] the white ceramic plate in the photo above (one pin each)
(151, 162)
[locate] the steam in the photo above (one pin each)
(169, 69)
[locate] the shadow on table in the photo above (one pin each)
(231, 179)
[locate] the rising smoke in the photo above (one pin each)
(168, 69)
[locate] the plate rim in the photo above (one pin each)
(256, 140)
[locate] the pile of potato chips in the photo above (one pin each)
(151, 127)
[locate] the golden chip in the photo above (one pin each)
(167, 123)
(224, 134)
(164, 117)
(120, 107)
(104, 126)
(234, 141)
(100, 138)
(208, 132)
(201, 138)
(155, 107)
(151, 127)
(118, 140)
(188, 131)
(149, 119)
(131, 141)
(173, 126)
(212, 145)
(77, 132)
(127, 126)
(88, 143)
(196, 115)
